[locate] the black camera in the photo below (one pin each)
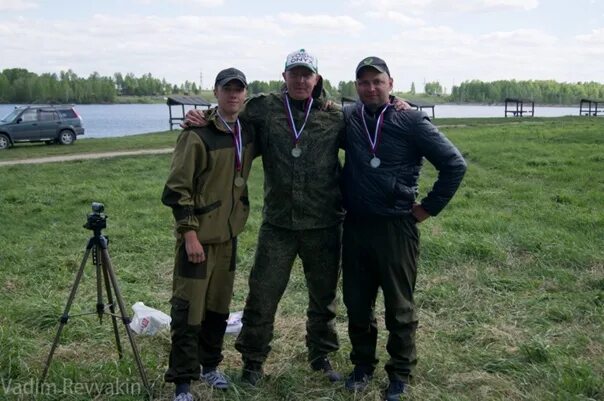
(97, 220)
(98, 207)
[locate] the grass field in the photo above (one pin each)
(510, 287)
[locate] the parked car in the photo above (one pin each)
(48, 124)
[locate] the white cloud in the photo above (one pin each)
(596, 37)
(341, 23)
(522, 4)
(520, 37)
(205, 3)
(487, 5)
(391, 4)
(397, 17)
(17, 5)
(429, 6)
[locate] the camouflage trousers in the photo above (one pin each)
(319, 250)
(201, 296)
(381, 252)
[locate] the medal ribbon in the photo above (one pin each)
(236, 135)
(290, 117)
(373, 142)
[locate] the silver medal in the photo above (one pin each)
(239, 181)
(375, 162)
(296, 152)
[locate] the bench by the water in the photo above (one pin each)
(420, 105)
(589, 107)
(175, 100)
(413, 103)
(516, 107)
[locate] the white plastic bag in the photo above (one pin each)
(148, 321)
(234, 322)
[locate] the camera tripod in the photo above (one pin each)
(97, 245)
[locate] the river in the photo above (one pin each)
(102, 120)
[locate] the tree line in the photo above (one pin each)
(18, 85)
(542, 92)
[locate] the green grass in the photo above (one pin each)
(510, 287)
(91, 145)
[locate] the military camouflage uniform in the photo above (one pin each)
(301, 217)
(201, 192)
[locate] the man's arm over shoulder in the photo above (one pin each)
(255, 109)
(189, 156)
(445, 157)
(255, 114)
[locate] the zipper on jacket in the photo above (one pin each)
(232, 200)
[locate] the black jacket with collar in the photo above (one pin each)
(391, 189)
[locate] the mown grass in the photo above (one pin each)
(510, 288)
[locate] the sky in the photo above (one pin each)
(449, 41)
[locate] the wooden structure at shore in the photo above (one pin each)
(182, 100)
(589, 107)
(517, 109)
(417, 105)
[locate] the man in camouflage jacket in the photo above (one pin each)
(302, 214)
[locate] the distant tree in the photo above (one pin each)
(433, 88)
(5, 89)
(412, 90)
(275, 86)
(119, 82)
(13, 74)
(347, 88)
(256, 87)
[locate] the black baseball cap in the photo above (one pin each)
(229, 74)
(374, 62)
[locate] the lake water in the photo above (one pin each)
(102, 120)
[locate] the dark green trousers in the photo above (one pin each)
(381, 252)
(319, 250)
(201, 296)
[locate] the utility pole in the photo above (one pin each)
(200, 80)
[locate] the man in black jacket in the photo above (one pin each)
(384, 153)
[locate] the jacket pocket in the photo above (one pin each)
(208, 208)
(404, 192)
(240, 214)
(211, 220)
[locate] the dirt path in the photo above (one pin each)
(85, 156)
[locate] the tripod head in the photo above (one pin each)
(97, 220)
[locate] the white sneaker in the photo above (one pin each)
(216, 379)
(184, 397)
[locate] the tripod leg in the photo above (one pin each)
(106, 260)
(100, 307)
(118, 343)
(65, 315)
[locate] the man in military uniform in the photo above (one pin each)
(302, 214)
(207, 191)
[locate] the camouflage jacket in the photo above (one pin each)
(299, 193)
(201, 186)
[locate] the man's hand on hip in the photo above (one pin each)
(419, 212)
